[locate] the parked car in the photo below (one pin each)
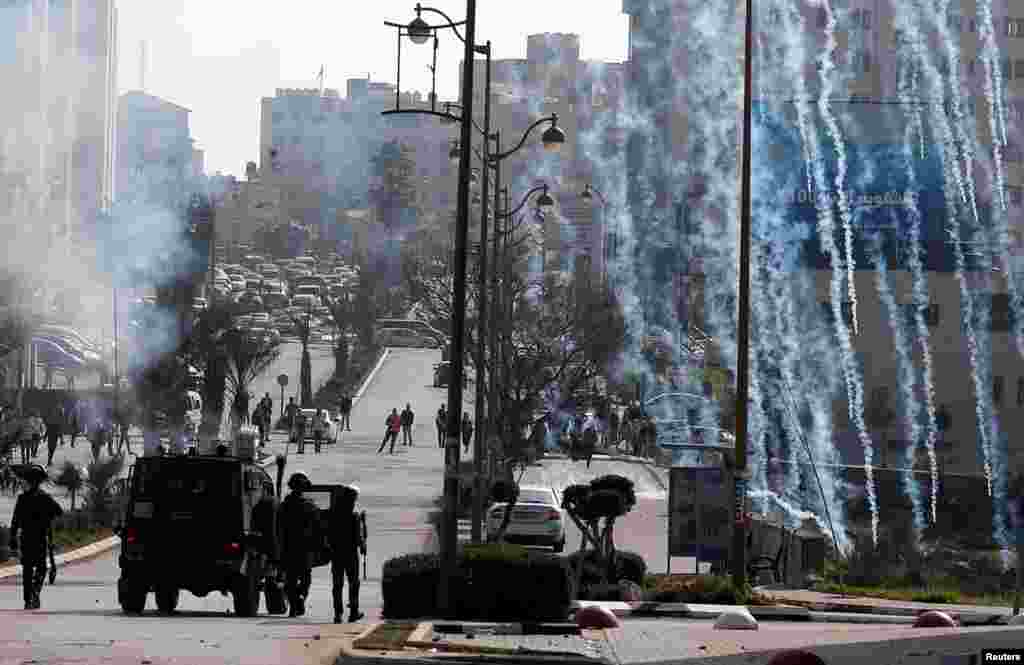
(443, 372)
(537, 519)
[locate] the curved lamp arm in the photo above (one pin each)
(451, 24)
(510, 213)
(553, 119)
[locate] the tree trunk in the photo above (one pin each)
(306, 378)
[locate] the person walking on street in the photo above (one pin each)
(290, 411)
(319, 429)
(407, 419)
(299, 540)
(38, 431)
(24, 437)
(301, 423)
(467, 431)
(54, 430)
(268, 405)
(441, 421)
(346, 412)
(347, 543)
(123, 416)
(75, 422)
(34, 513)
(394, 425)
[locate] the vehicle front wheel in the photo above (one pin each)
(167, 600)
(559, 547)
(131, 595)
(276, 601)
(245, 595)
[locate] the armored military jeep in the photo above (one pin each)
(199, 523)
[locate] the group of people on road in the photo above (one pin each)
(24, 431)
(302, 537)
(395, 423)
(465, 428)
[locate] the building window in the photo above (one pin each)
(1007, 68)
(954, 21)
(997, 390)
(1020, 391)
(862, 62)
(930, 313)
(277, 117)
(1016, 195)
(1001, 314)
(860, 19)
(1014, 27)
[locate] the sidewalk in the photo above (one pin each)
(830, 602)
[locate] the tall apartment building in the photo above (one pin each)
(155, 153)
(57, 134)
(870, 57)
(317, 147)
(587, 97)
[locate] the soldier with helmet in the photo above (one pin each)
(298, 522)
(34, 513)
(347, 543)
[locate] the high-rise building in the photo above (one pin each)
(57, 133)
(880, 87)
(155, 155)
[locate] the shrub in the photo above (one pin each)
(695, 589)
(5, 542)
(494, 583)
(629, 566)
(409, 586)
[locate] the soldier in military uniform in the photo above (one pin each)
(34, 513)
(298, 524)
(347, 543)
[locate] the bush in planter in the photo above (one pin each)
(5, 543)
(409, 586)
(628, 566)
(494, 583)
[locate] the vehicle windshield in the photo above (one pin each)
(186, 480)
(536, 496)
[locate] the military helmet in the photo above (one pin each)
(298, 480)
(351, 490)
(35, 472)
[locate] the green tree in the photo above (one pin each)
(71, 480)
(594, 509)
(247, 358)
(100, 477)
(341, 314)
(303, 329)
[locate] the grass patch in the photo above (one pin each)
(937, 595)
(386, 637)
(65, 540)
(711, 589)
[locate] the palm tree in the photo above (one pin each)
(246, 359)
(70, 478)
(340, 313)
(303, 327)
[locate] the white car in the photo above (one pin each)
(537, 519)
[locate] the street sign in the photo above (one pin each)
(282, 380)
(699, 519)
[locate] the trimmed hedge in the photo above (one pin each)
(493, 584)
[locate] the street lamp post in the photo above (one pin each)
(739, 541)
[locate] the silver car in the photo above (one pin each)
(537, 519)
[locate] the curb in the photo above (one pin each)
(523, 628)
(461, 654)
(765, 613)
(369, 377)
(966, 617)
(79, 554)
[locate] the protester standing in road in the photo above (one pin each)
(407, 419)
(268, 405)
(467, 431)
(346, 412)
(38, 429)
(347, 543)
(34, 513)
(24, 438)
(299, 541)
(290, 411)
(441, 421)
(53, 432)
(394, 425)
(320, 426)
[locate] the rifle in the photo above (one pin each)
(362, 535)
(53, 564)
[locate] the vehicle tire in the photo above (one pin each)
(131, 596)
(246, 596)
(275, 599)
(167, 600)
(559, 547)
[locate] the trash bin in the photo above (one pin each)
(245, 442)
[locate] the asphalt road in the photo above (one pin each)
(81, 616)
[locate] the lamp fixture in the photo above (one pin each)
(553, 137)
(418, 30)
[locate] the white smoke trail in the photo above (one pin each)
(826, 228)
(836, 135)
(909, 84)
(906, 381)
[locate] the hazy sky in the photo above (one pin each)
(219, 58)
